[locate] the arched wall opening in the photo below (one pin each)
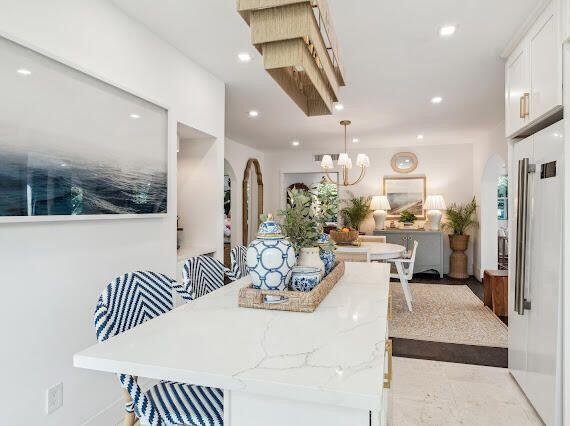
(234, 200)
(495, 167)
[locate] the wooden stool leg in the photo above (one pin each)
(130, 418)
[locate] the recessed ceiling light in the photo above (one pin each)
(420, 137)
(339, 107)
(447, 30)
(253, 113)
(244, 57)
(295, 143)
(134, 116)
(355, 140)
(23, 71)
(436, 100)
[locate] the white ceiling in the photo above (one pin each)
(394, 59)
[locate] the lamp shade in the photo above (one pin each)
(362, 160)
(327, 162)
(343, 159)
(380, 202)
(434, 202)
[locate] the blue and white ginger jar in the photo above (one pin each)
(327, 256)
(270, 258)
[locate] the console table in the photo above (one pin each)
(429, 256)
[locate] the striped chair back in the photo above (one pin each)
(203, 274)
(238, 267)
(127, 301)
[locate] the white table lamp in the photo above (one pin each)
(380, 205)
(434, 205)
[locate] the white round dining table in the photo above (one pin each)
(375, 251)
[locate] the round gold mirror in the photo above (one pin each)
(404, 162)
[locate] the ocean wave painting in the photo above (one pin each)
(37, 185)
(73, 145)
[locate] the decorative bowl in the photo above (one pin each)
(347, 237)
(305, 278)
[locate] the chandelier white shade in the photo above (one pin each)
(343, 159)
(345, 163)
(434, 205)
(327, 162)
(380, 205)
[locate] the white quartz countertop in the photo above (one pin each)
(334, 355)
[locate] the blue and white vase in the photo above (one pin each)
(305, 278)
(327, 256)
(270, 258)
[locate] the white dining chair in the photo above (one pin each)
(405, 269)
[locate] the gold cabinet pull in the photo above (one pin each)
(388, 375)
(521, 107)
(390, 305)
(526, 104)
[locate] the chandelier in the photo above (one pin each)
(345, 163)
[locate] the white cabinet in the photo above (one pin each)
(518, 89)
(533, 75)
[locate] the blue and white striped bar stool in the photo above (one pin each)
(128, 301)
(203, 274)
(238, 267)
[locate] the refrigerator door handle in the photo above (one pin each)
(520, 303)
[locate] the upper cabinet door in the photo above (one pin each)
(546, 64)
(533, 76)
(517, 92)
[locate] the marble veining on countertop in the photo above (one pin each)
(334, 355)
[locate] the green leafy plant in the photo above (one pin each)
(461, 217)
(355, 211)
(326, 195)
(300, 221)
(407, 217)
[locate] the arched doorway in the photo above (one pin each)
(231, 215)
(490, 211)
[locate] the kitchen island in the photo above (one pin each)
(330, 367)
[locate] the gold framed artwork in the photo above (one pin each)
(405, 193)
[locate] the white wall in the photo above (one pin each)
(237, 156)
(52, 273)
(198, 174)
(487, 155)
(448, 169)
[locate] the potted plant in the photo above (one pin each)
(326, 197)
(407, 218)
(355, 211)
(302, 225)
(460, 218)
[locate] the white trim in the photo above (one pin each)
(76, 218)
(521, 33)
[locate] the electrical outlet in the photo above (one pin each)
(54, 398)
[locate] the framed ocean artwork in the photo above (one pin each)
(75, 147)
(405, 193)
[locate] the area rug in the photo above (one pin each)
(445, 313)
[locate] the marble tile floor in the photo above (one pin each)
(440, 393)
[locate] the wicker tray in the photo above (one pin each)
(295, 301)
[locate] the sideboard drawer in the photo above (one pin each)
(429, 256)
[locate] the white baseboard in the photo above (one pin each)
(112, 415)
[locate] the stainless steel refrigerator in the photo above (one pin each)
(535, 269)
